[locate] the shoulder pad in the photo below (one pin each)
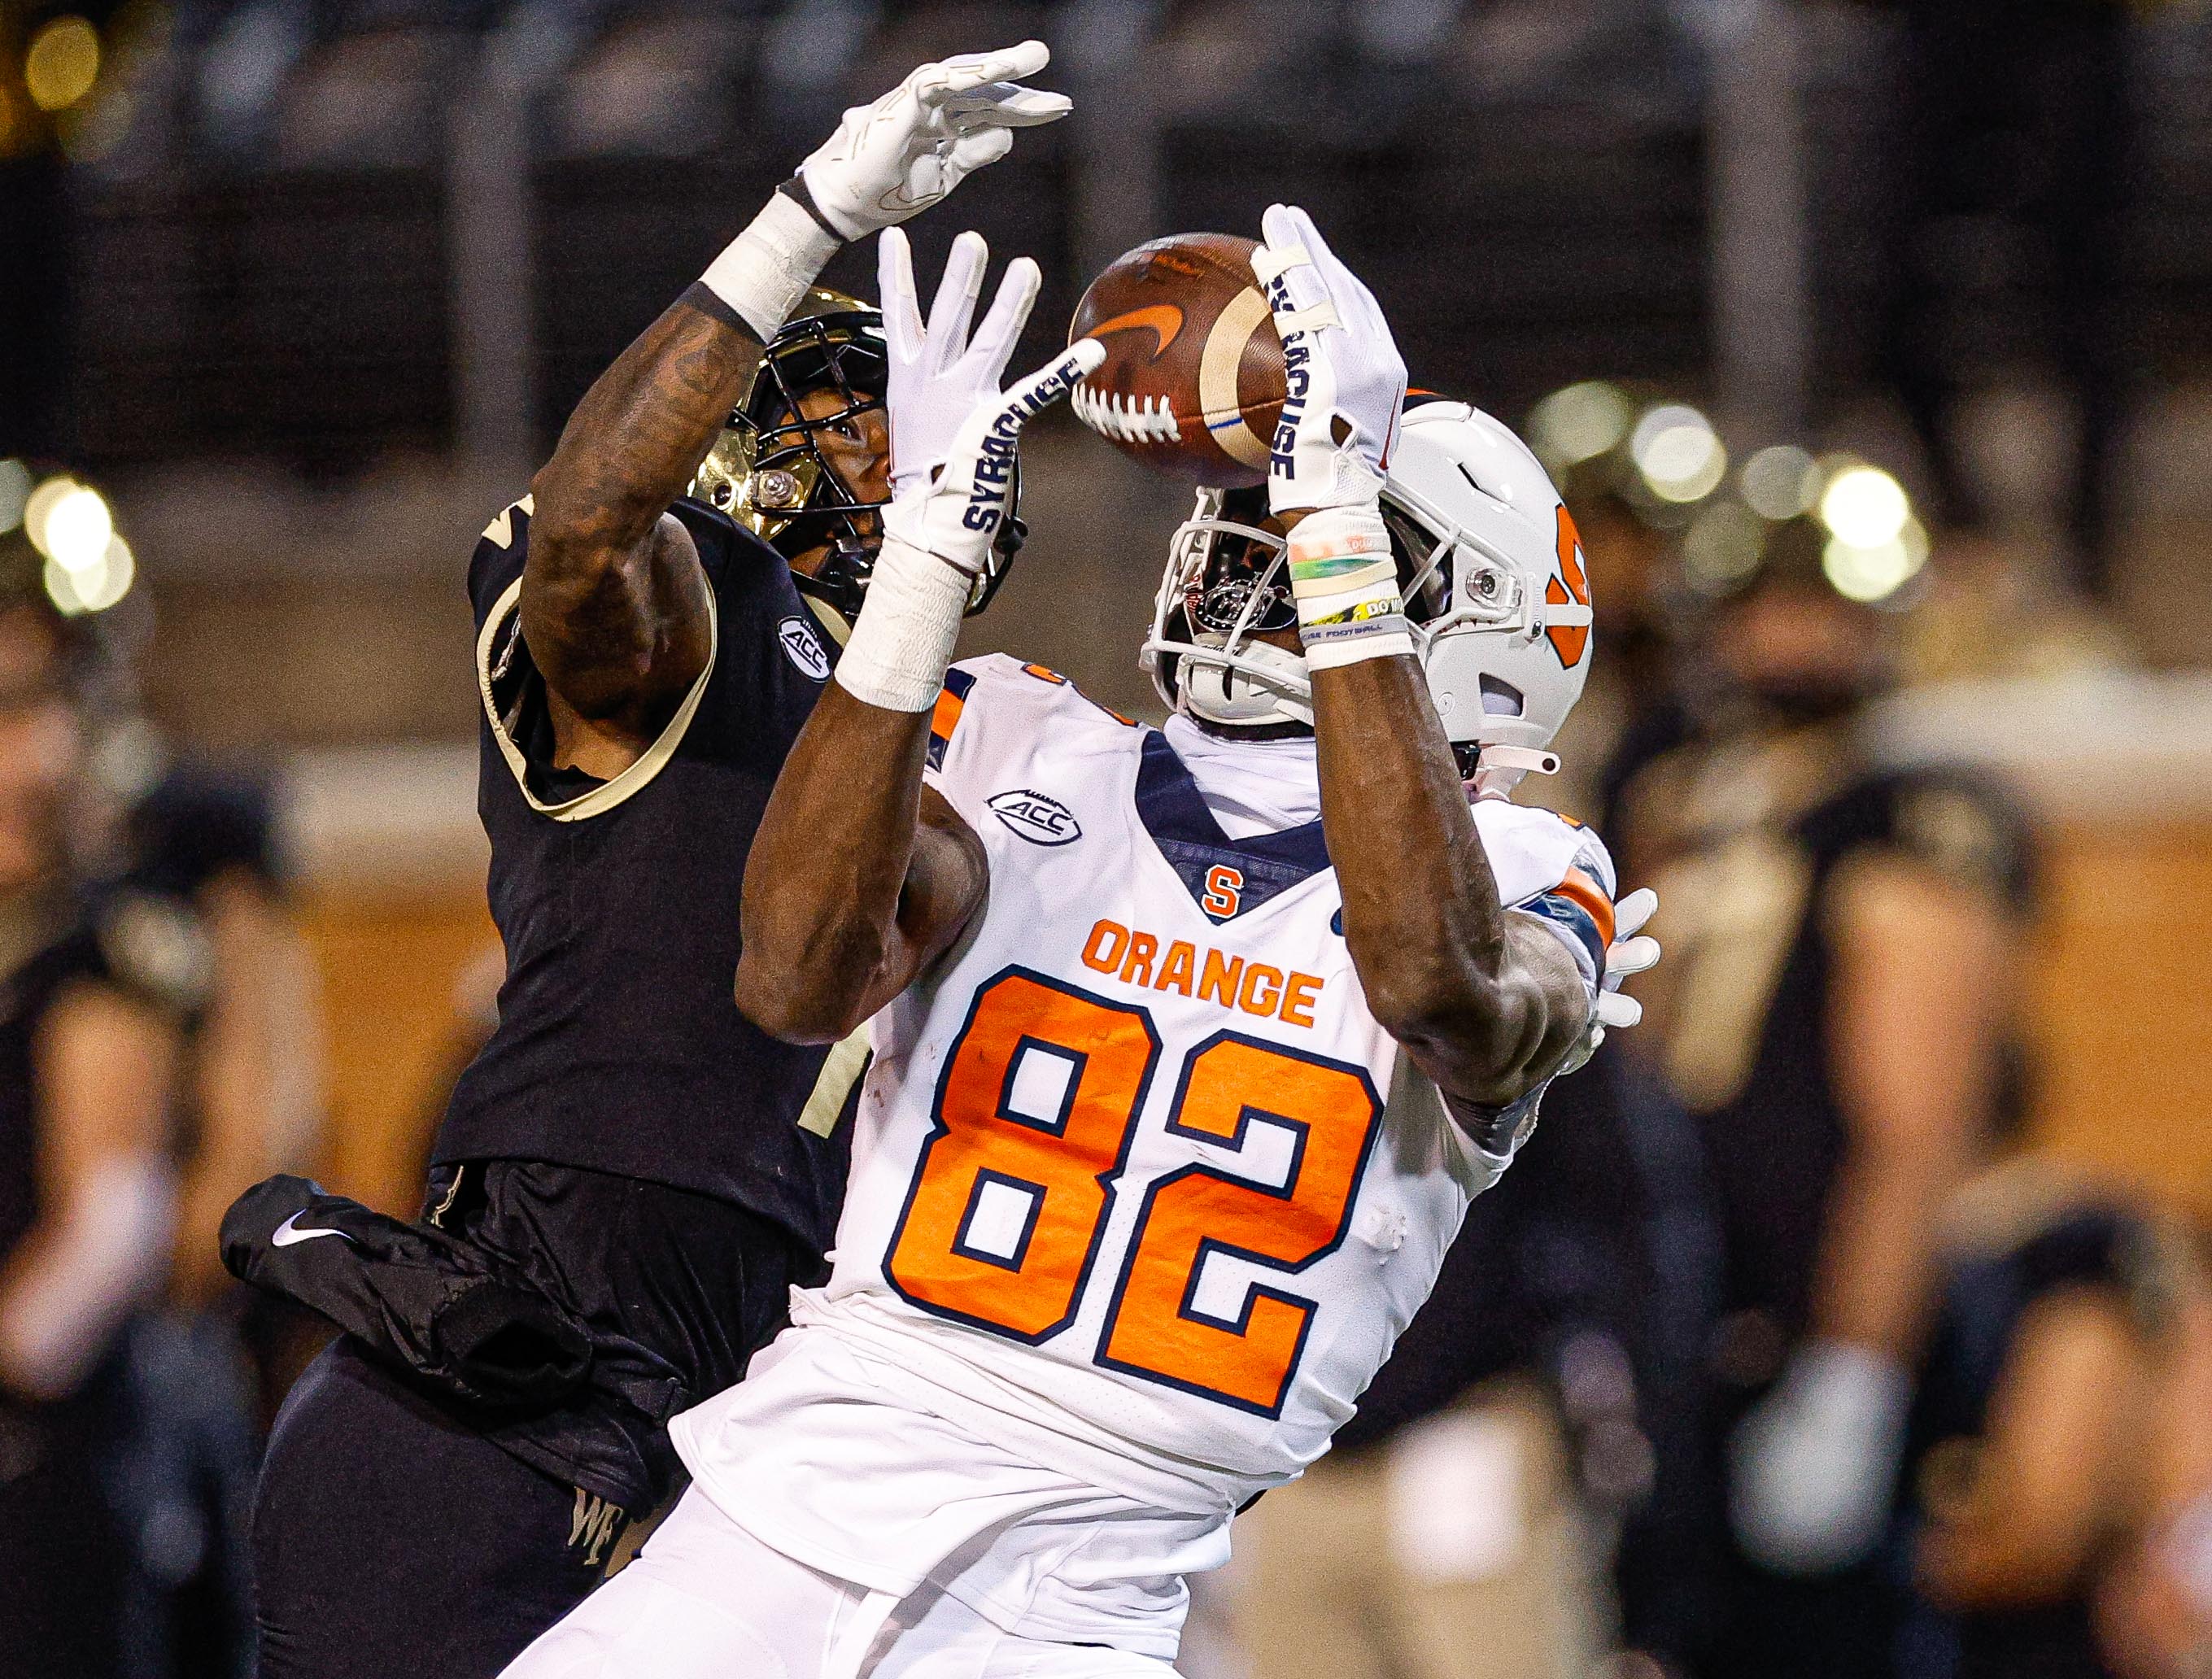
(1532, 850)
(155, 944)
(1008, 682)
(1964, 831)
(514, 521)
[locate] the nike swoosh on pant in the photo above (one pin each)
(288, 1233)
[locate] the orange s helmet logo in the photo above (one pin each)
(1570, 642)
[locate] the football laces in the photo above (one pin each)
(1126, 419)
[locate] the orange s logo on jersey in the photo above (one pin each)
(1569, 641)
(1225, 892)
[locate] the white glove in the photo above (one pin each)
(940, 376)
(937, 537)
(1811, 1469)
(1631, 951)
(894, 159)
(1342, 366)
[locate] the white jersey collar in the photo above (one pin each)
(1251, 787)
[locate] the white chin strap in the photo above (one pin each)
(1258, 684)
(1498, 769)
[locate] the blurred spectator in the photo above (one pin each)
(2156, 1602)
(207, 838)
(1838, 1016)
(1464, 1523)
(101, 983)
(2018, 111)
(211, 1366)
(2058, 1319)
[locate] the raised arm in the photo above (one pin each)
(1488, 1002)
(859, 875)
(614, 604)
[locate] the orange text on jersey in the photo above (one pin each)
(1138, 958)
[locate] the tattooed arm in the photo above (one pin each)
(614, 602)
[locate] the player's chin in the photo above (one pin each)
(867, 527)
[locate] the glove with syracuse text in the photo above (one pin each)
(938, 533)
(1345, 382)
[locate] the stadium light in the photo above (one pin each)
(1864, 508)
(1722, 545)
(1677, 451)
(68, 523)
(1874, 572)
(96, 588)
(62, 64)
(1781, 482)
(1579, 423)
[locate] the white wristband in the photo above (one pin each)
(902, 640)
(765, 270)
(1345, 582)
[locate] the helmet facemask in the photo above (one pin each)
(769, 471)
(1227, 583)
(1477, 617)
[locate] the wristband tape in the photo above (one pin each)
(1376, 641)
(1354, 573)
(909, 619)
(1344, 578)
(765, 270)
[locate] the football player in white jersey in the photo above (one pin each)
(1191, 1047)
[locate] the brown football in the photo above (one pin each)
(1193, 378)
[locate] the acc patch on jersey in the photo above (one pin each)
(803, 648)
(1038, 818)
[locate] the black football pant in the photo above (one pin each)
(391, 1540)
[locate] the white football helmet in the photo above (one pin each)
(1490, 566)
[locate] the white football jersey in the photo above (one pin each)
(1134, 1164)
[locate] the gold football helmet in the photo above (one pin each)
(767, 472)
(831, 342)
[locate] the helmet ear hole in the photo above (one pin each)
(1500, 699)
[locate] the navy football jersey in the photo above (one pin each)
(619, 1049)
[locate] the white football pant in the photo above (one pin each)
(706, 1600)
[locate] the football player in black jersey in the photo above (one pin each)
(1841, 1025)
(97, 986)
(629, 1176)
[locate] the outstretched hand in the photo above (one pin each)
(894, 159)
(946, 410)
(954, 518)
(1346, 380)
(940, 373)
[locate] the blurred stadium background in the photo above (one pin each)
(302, 290)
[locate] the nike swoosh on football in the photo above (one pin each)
(1166, 320)
(288, 1233)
